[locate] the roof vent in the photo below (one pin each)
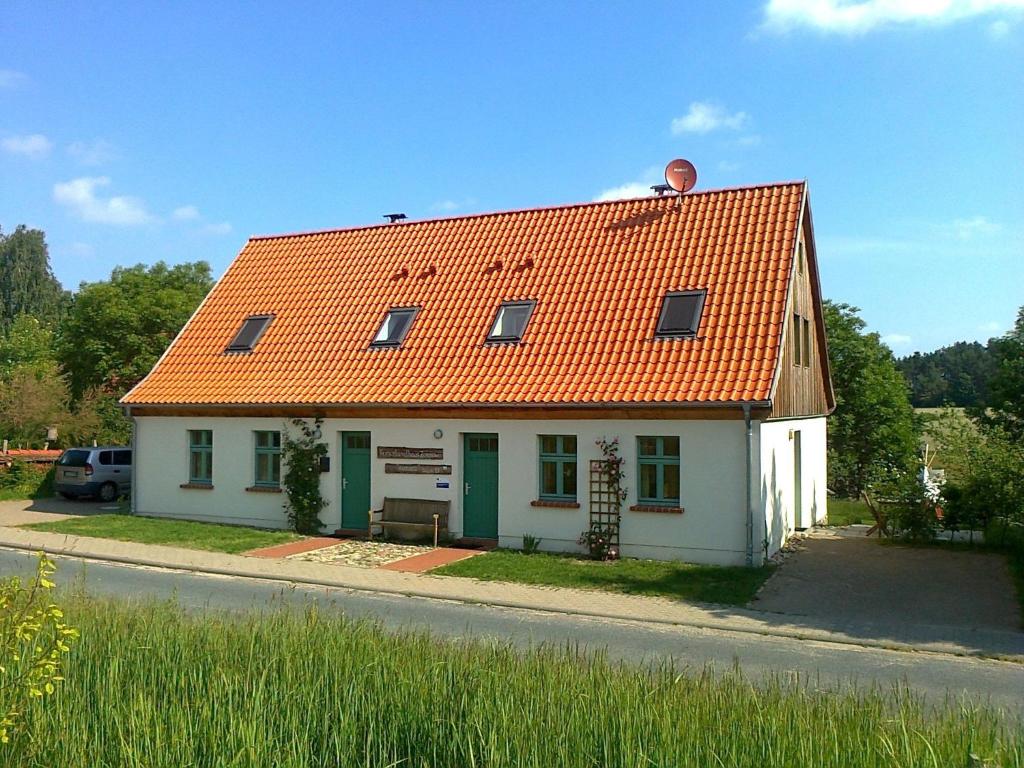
(394, 217)
(661, 189)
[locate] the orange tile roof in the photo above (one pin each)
(598, 272)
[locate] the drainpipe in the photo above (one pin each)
(750, 486)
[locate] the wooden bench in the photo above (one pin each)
(411, 519)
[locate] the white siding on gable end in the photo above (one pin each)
(777, 474)
(712, 529)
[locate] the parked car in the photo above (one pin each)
(104, 472)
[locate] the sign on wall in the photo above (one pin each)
(395, 452)
(417, 469)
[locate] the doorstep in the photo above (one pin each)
(435, 558)
(293, 547)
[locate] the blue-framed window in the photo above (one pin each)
(558, 467)
(200, 456)
(268, 459)
(658, 471)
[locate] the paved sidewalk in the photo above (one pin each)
(568, 601)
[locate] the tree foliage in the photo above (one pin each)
(956, 375)
(1006, 389)
(116, 330)
(27, 285)
(873, 430)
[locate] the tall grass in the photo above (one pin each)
(152, 686)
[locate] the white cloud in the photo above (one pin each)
(704, 117)
(998, 29)
(95, 152)
(976, 226)
(445, 206)
(896, 339)
(726, 166)
(991, 327)
(753, 140)
(860, 16)
(10, 78)
(223, 228)
(80, 197)
(185, 213)
(641, 187)
(34, 145)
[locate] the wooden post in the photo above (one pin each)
(436, 516)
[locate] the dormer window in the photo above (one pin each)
(250, 332)
(680, 313)
(510, 322)
(396, 325)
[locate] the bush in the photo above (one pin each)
(301, 458)
(27, 481)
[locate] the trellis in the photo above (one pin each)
(605, 504)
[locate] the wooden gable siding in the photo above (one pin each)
(801, 389)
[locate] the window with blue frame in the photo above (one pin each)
(558, 467)
(200, 456)
(658, 471)
(268, 459)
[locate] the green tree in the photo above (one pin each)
(873, 431)
(32, 400)
(27, 285)
(116, 330)
(26, 343)
(1006, 388)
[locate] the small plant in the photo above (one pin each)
(33, 638)
(301, 480)
(600, 542)
(531, 544)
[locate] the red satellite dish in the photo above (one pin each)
(681, 175)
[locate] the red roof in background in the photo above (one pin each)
(597, 271)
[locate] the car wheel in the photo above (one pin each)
(108, 492)
(67, 495)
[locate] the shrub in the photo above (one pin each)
(531, 543)
(301, 456)
(25, 480)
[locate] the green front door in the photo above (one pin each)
(355, 480)
(480, 486)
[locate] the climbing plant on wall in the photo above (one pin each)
(301, 456)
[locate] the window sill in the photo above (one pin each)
(555, 504)
(263, 489)
(656, 508)
(198, 486)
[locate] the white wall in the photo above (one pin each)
(776, 473)
(711, 530)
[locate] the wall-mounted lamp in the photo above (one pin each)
(317, 434)
(438, 434)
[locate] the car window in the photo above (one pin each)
(106, 458)
(74, 458)
(123, 458)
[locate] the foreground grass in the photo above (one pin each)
(848, 512)
(151, 686)
(179, 533)
(702, 583)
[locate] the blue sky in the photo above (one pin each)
(136, 132)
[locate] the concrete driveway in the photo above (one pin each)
(871, 588)
(22, 512)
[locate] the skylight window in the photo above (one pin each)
(680, 313)
(250, 332)
(395, 327)
(510, 322)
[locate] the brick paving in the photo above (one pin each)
(430, 560)
(293, 547)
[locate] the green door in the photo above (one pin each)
(480, 486)
(355, 480)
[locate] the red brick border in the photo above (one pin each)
(293, 547)
(430, 560)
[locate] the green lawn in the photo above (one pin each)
(179, 533)
(156, 686)
(701, 583)
(848, 512)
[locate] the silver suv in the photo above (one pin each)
(104, 472)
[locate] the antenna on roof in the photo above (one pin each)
(660, 189)
(680, 175)
(393, 217)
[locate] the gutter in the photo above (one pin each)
(750, 485)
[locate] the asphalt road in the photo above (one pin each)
(828, 665)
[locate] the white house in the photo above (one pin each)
(478, 359)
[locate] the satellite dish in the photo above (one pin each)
(681, 175)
